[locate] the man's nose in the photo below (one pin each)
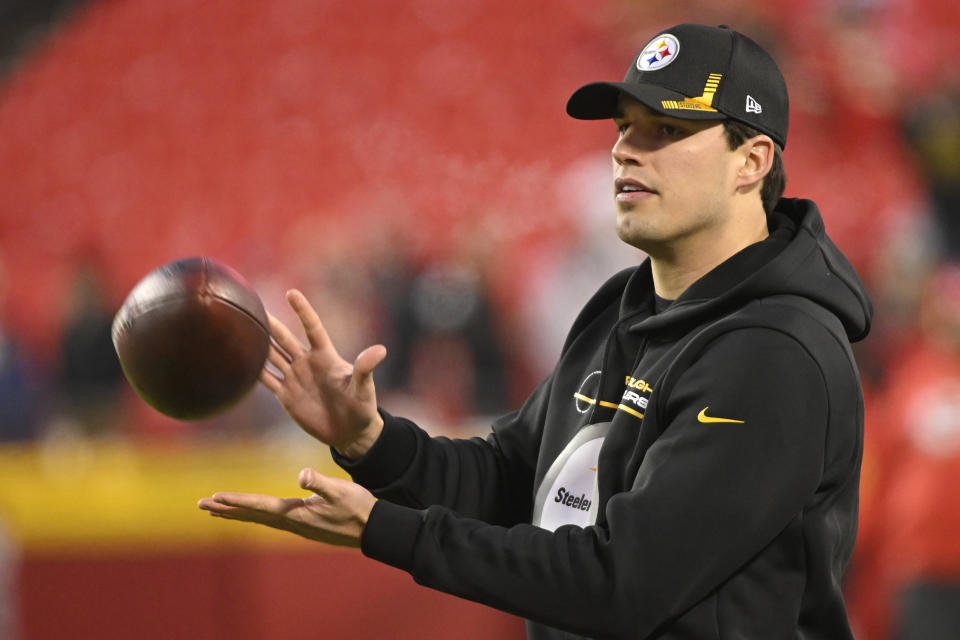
(626, 152)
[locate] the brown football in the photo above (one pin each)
(192, 338)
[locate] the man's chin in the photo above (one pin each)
(631, 236)
(638, 236)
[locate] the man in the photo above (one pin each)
(690, 468)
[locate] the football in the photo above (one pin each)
(192, 338)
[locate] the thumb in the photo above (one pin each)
(313, 481)
(367, 361)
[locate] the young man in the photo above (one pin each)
(690, 469)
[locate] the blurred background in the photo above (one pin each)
(409, 165)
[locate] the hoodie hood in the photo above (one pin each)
(798, 258)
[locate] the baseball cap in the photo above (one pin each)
(697, 72)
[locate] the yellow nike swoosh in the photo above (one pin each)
(703, 417)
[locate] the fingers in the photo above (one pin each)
(276, 370)
(279, 359)
(271, 381)
(267, 510)
(215, 508)
(250, 501)
(283, 337)
(256, 507)
(316, 334)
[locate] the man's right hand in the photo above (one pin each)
(329, 398)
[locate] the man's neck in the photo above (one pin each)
(686, 262)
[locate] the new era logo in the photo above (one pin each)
(753, 106)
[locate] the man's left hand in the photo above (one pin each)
(335, 514)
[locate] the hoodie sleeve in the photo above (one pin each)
(485, 478)
(489, 479)
(741, 453)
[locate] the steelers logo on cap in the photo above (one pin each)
(661, 51)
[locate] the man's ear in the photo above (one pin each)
(757, 160)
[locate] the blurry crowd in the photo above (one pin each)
(905, 581)
(469, 333)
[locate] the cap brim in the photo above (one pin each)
(601, 100)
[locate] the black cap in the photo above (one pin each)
(697, 72)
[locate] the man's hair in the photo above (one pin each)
(776, 179)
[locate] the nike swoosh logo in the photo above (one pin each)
(703, 417)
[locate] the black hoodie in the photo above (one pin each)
(694, 473)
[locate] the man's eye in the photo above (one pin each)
(622, 128)
(669, 130)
